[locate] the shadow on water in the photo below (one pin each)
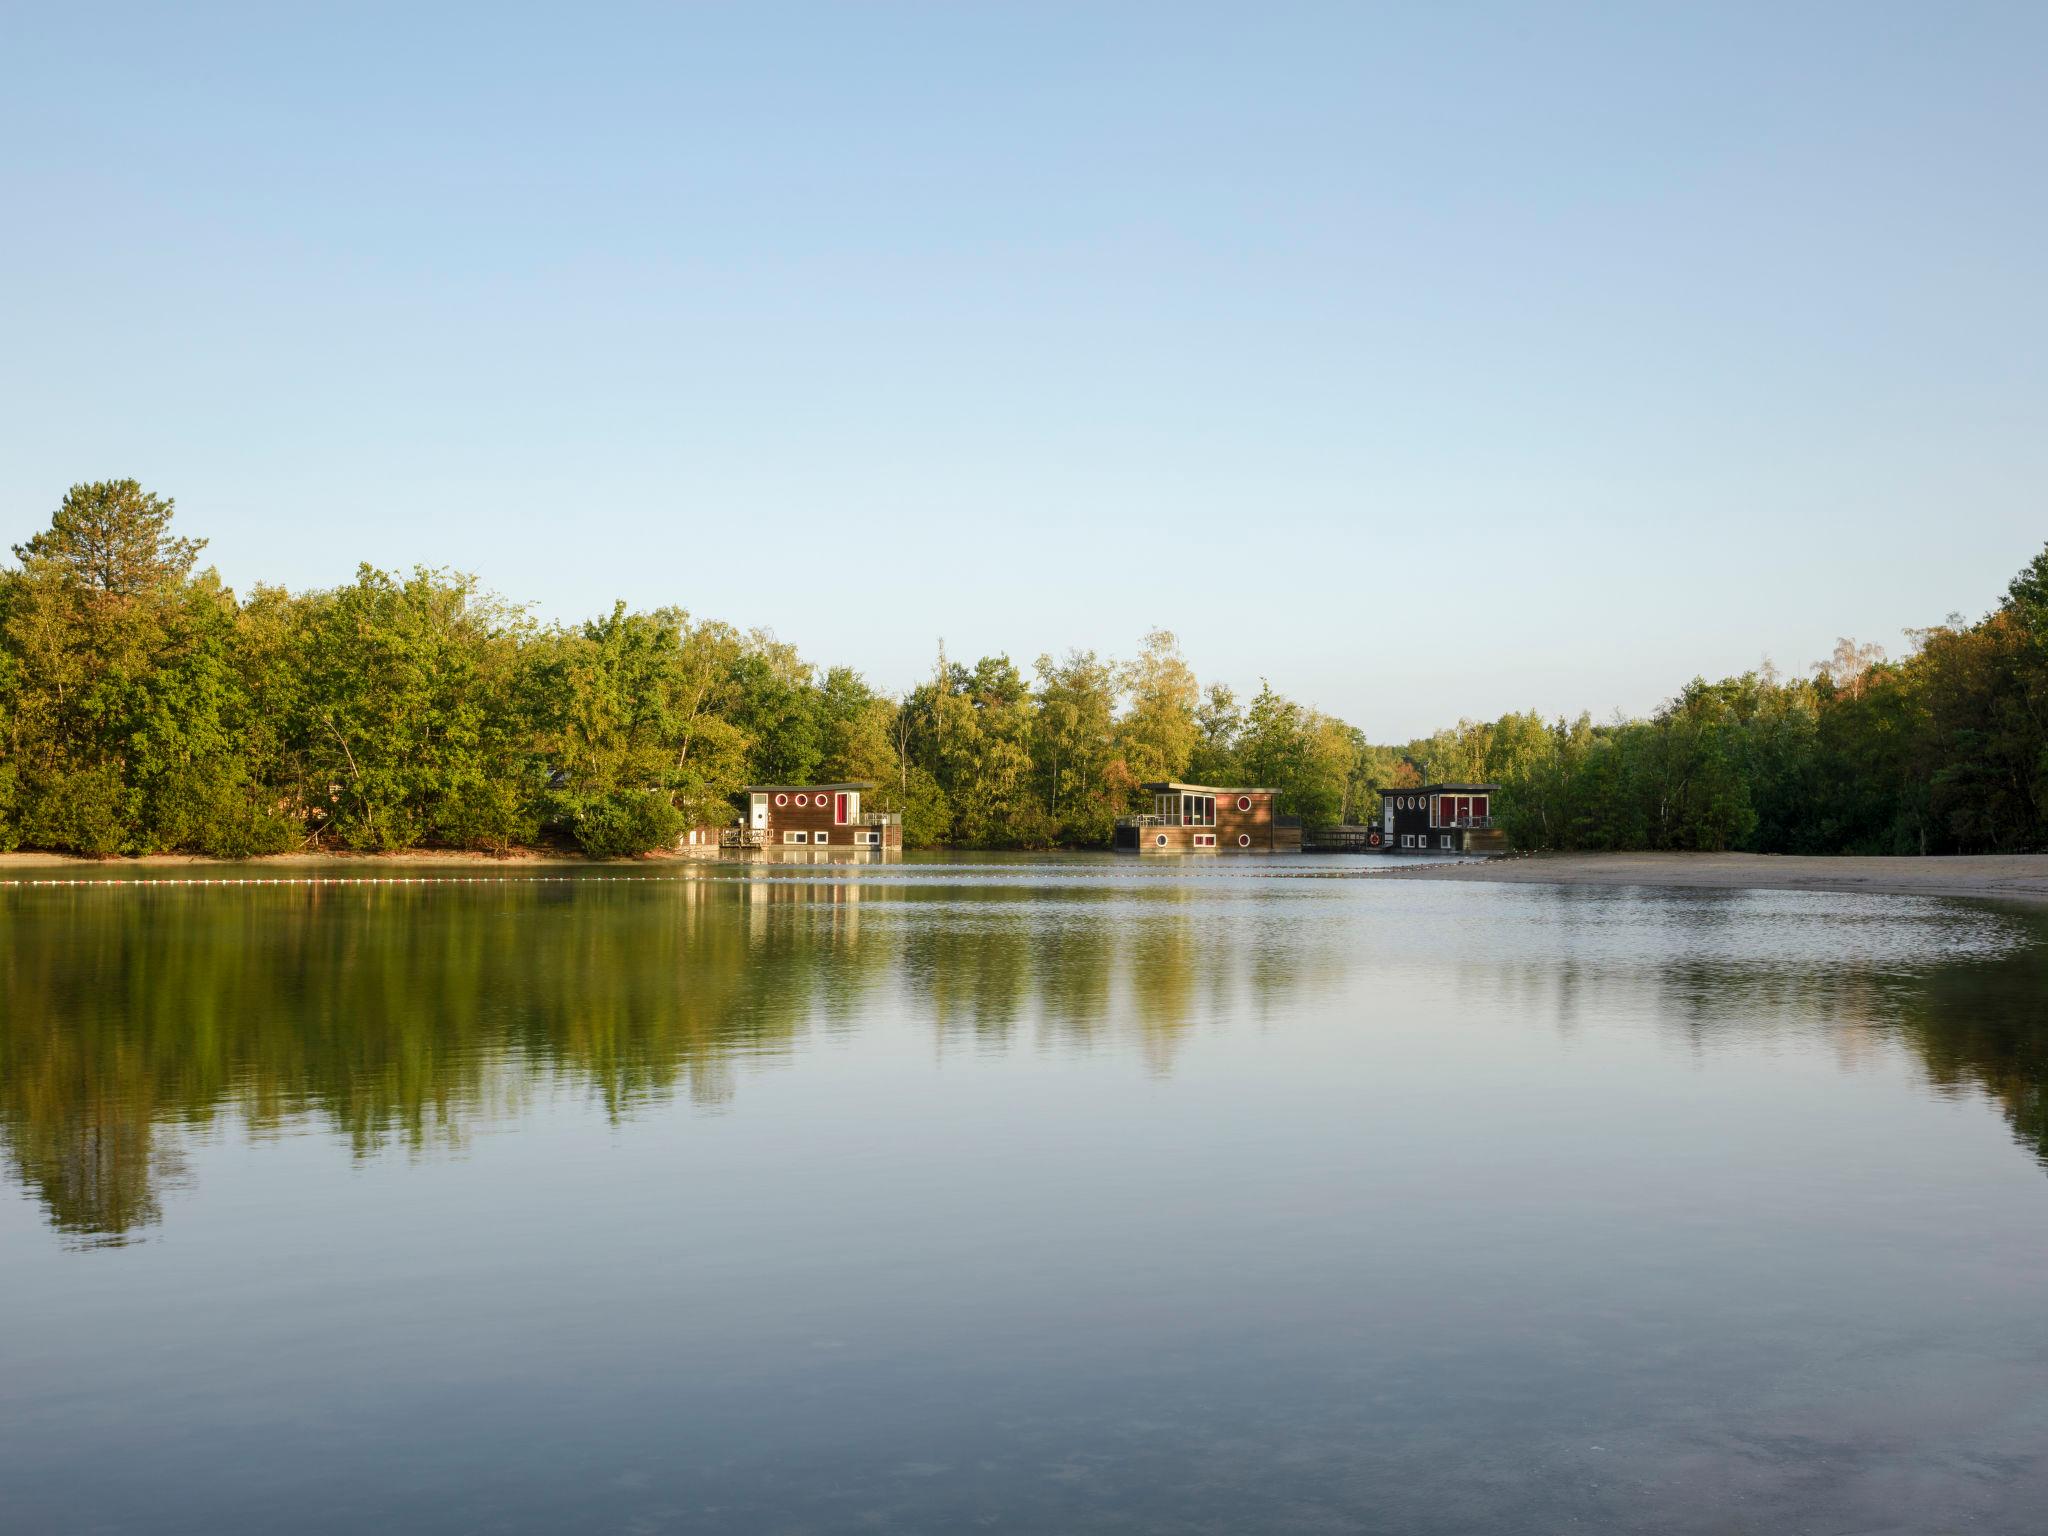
(405, 1015)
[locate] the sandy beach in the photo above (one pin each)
(2010, 877)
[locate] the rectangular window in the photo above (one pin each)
(1445, 841)
(822, 837)
(867, 839)
(1479, 807)
(793, 837)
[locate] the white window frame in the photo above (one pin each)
(868, 839)
(1444, 841)
(821, 836)
(1244, 839)
(796, 837)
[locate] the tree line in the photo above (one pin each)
(145, 707)
(1944, 750)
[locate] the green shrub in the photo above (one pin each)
(625, 822)
(10, 797)
(80, 812)
(214, 809)
(489, 815)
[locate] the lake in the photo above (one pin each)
(1035, 1195)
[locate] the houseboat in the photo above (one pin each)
(1440, 818)
(1207, 818)
(784, 818)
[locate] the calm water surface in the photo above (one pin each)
(1069, 1196)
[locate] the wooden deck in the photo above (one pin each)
(1347, 838)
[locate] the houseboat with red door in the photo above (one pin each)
(1440, 818)
(791, 818)
(1207, 818)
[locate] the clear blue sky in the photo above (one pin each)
(1428, 360)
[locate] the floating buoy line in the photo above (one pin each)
(820, 874)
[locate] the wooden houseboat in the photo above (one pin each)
(1440, 818)
(1207, 818)
(784, 818)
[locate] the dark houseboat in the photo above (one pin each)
(1440, 818)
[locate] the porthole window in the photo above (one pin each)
(1244, 802)
(1160, 842)
(782, 799)
(803, 799)
(1244, 839)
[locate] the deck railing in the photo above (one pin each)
(1464, 821)
(742, 837)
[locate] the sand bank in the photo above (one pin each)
(2011, 876)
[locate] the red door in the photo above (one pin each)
(839, 808)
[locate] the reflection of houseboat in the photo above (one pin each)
(788, 817)
(1204, 818)
(1455, 818)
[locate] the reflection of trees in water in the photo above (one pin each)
(1977, 1023)
(1983, 1025)
(1092, 965)
(403, 1014)
(389, 1013)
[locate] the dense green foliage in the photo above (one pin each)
(143, 708)
(1945, 751)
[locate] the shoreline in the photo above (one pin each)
(2019, 877)
(447, 856)
(2000, 876)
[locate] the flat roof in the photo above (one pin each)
(790, 789)
(1437, 789)
(1171, 785)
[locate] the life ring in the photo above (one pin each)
(1373, 838)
